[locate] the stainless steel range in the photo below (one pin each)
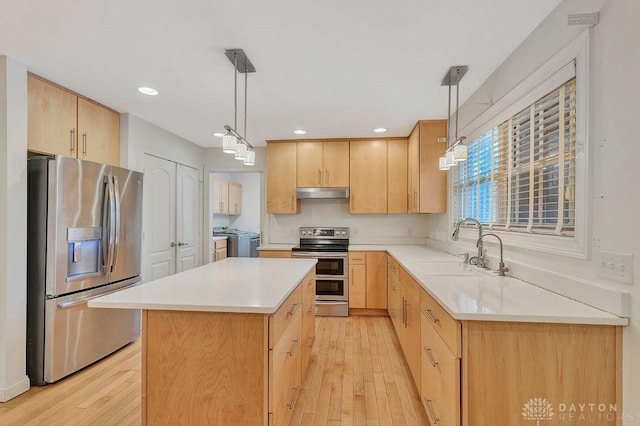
(330, 246)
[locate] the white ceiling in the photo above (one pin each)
(336, 68)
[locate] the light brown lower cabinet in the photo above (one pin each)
(226, 368)
(487, 373)
(368, 279)
(219, 250)
(275, 253)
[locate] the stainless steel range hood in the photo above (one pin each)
(303, 193)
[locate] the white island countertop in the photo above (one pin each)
(481, 295)
(236, 284)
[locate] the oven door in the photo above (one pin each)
(330, 264)
(331, 288)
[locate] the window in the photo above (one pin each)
(521, 173)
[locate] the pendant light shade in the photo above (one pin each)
(251, 158)
(443, 163)
(460, 153)
(241, 151)
(229, 143)
(451, 159)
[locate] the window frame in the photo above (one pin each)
(538, 84)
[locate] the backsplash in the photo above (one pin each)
(365, 228)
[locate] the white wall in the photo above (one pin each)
(13, 228)
(614, 151)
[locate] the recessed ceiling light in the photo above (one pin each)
(299, 132)
(147, 91)
(218, 134)
(380, 130)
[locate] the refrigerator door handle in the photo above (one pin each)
(108, 213)
(116, 223)
(84, 300)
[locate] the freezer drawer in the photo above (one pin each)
(76, 335)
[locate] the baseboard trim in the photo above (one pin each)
(15, 389)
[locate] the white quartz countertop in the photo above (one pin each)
(478, 295)
(218, 238)
(236, 284)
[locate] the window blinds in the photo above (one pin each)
(520, 174)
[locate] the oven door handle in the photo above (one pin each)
(318, 255)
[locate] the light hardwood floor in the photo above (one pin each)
(357, 376)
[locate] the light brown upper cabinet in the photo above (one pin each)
(323, 164)
(235, 198)
(368, 176)
(397, 176)
(63, 123)
(427, 185)
(281, 177)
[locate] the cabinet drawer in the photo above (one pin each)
(440, 377)
(393, 266)
(447, 327)
(275, 253)
(357, 257)
(220, 244)
(285, 376)
(412, 286)
(288, 313)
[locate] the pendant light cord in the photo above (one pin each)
(245, 101)
(457, 98)
(235, 91)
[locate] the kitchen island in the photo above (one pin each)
(225, 343)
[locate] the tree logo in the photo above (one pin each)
(537, 409)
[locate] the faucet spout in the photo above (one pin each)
(501, 268)
(480, 261)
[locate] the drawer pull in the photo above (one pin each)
(427, 403)
(292, 403)
(293, 310)
(293, 347)
(430, 315)
(427, 351)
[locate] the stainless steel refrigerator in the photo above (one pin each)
(83, 241)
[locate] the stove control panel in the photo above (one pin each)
(341, 233)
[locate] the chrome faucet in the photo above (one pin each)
(480, 261)
(501, 268)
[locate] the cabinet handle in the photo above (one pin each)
(293, 347)
(406, 313)
(415, 201)
(73, 141)
(319, 177)
(84, 143)
(292, 403)
(293, 310)
(430, 315)
(326, 177)
(427, 351)
(430, 409)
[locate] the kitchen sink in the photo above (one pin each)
(441, 268)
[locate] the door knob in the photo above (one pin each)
(173, 244)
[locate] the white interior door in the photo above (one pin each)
(187, 218)
(159, 205)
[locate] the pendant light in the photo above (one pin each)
(232, 141)
(457, 151)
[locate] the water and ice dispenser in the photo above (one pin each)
(83, 252)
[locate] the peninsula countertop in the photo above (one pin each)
(235, 284)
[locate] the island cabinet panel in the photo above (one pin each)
(204, 368)
(216, 368)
